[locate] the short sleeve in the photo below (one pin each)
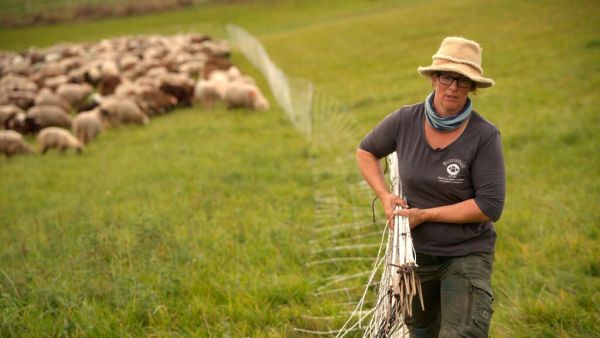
(381, 141)
(489, 178)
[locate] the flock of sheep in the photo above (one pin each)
(68, 94)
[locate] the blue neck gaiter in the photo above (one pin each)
(445, 123)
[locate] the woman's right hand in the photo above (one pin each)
(389, 202)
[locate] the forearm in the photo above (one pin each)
(462, 212)
(370, 168)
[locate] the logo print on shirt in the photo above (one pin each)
(453, 167)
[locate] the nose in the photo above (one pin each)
(454, 84)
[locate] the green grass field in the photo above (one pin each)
(201, 223)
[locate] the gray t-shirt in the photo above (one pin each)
(470, 167)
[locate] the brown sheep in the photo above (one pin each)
(155, 102)
(180, 86)
(108, 84)
(62, 139)
(215, 63)
(12, 143)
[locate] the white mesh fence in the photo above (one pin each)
(294, 95)
(345, 237)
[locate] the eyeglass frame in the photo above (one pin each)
(457, 78)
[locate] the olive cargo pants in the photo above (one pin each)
(457, 295)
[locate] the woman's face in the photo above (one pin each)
(451, 92)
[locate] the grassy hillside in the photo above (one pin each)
(200, 224)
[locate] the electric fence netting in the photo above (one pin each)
(348, 246)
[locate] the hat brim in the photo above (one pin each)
(463, 69)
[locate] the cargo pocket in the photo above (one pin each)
(480, 309)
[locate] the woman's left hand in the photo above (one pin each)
(415, 216)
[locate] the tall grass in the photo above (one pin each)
(200, 224)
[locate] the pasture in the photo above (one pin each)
(201, 223)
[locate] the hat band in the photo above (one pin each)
(455, 60)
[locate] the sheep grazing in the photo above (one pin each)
(261, 103)
(206, 93)
(74, 93)
(17, 83)
(122, 110)
(220, 79)
(180, 86)
(128, 62)
(16, 122)
(147, 94)
(116, 81)
(18, 90)
(12, 143)
(192, 68)
(109, 77)
(7, 112)
(47, 98)
(215, 63)
(39, 117)
(87, 125)
(156, 102)
(245, 95)
(55, 81)
(59, 138)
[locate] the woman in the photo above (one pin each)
(452, 172)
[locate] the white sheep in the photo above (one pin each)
(7, 112)
(122, 110)
(87, 125)
(261, 103)
(12, 143)
(55, 81)
(191, 68)
(46, 97)
(220, 79)
(128, 61)
(18, 90)
(109, 68)
(74, 93)
(245, 95)
(39, 117)
(233, 73)
(59, 138)
(125, 88)
(206, 93)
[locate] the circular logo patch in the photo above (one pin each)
(453, 169)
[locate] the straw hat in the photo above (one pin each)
(459, 55)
